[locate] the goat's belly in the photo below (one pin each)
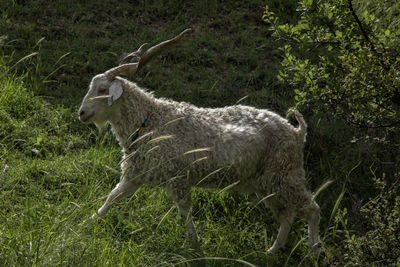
(226, 176)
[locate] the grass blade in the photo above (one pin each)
(160, 138)
(99, 97)
(63, 56)
(198, 160)
(208, 175)
(152, 149)
(165, 216)
(228, 187)
(240, 100)
(197, 150)
(264, 198)
(172, 121)
(54, 71)
(127, 157)
(140, 138)
(336, 206)
(293, 250)
(322, 188)
(242, 262)
(23, 59)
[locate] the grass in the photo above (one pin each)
(55, 172)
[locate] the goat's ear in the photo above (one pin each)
(115, 91)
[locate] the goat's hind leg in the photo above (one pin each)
(181, 195)
(311, 213)
(285, 218)
(122, 189)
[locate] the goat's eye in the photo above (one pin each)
(102, 91)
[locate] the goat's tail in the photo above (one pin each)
(302, 128)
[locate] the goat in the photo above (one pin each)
(248, 150)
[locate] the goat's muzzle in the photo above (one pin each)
(85, 116)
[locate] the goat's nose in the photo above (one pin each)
(81, 112)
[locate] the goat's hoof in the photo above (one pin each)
(194, 242)
(316, 248)
(89, 220)
(272, 250)
(195, 245)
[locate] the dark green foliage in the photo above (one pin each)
(341, 59)
(342, 63)
(380, 243)
(375, 241)
(28, 124)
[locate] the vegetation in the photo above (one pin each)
(339, 67)
(345, 62)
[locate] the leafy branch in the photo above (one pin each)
(334, 64)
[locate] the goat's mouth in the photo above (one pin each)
(86, 118)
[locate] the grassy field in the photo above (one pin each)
(55, 172)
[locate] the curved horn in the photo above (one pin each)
(121, 70)
(151, 52)
(128, 69)
(138, 54)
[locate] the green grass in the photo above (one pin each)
(55, 172)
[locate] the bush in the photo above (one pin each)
(341, 62)
(378, 243)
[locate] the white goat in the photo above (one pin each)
(249, 150)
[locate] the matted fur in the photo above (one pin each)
(249, 150)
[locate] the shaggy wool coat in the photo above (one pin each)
(252, 150)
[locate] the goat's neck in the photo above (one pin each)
(135, 107)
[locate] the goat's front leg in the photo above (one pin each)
(122, 189)
(181, 195)
(285, 218)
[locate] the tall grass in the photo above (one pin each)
(49, 191)
(55, 172)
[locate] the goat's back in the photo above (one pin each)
(243, 143)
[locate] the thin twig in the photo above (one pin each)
(364, 33)
(366, 37)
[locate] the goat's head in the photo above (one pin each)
(105, 89)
